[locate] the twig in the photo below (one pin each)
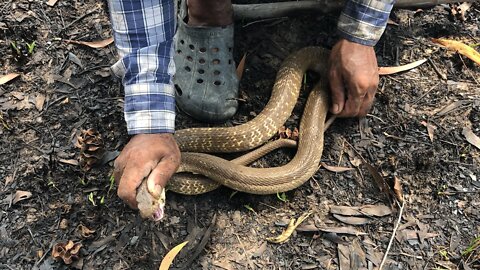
(76, 20)
(424, 94)
(443, 76)
(400, 214)
(469, 72)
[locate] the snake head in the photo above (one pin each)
(151, 206)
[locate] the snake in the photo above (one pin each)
(200, 172)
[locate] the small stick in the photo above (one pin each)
(400, 214)
(443, 76)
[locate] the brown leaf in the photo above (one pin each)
(450, 107)
(241, 67)
(73, 162)
(259, 252)
(8, 179)
(393, 70)
(66, 251)
(93, 44)
(6, 78)
(336, 168)
(379, 210)
(84, 231)
(39, 101)
(430, 129)
(51, 3)
(413, 234)
(353, 220)
(355, 161)
(344, 257)
(380, 181)
(21, 195)
(471, 137)
(460, 47)
(338, 230)
(397, 189)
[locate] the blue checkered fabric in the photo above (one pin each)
(143, 32)
(364, 21)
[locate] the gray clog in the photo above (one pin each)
(205, 81)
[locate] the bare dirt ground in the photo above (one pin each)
(65, 88)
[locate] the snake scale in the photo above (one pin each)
(234, 174)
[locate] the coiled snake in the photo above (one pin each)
(255, 133)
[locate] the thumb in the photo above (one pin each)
(337, 90)
(158, 178)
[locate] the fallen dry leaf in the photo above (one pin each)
(51, 3)
(413, 234)
(393, 70)
(282, 238)
(39, 101)
(241, 67)
(168, 259)
(21, 195)
(338, 230)
(471, 137)
(460, 47)
(379, 210)
(430, 129)
(450, 107)
(353, 220)
(6, 78)
(66, 251)
(460, 10)
(93, 44)
(380, 181)
(336, 168)
(84, 231)
(397, 189)
(73, 162)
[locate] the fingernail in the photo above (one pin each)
(335, 108)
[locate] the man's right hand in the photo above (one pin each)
(152, 156)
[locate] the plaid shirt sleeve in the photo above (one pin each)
(364, 21)
(143, 33)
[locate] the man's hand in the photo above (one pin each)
(353, 78)
(155, 156)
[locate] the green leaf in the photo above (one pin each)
(91, 199)
(31, 47)
(112, 183)
(249, 208)
(102, 200)
(282, 197)
(233, 194)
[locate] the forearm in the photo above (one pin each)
(364, 21)
(143, 32)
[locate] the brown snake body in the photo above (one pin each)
(256, 132)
